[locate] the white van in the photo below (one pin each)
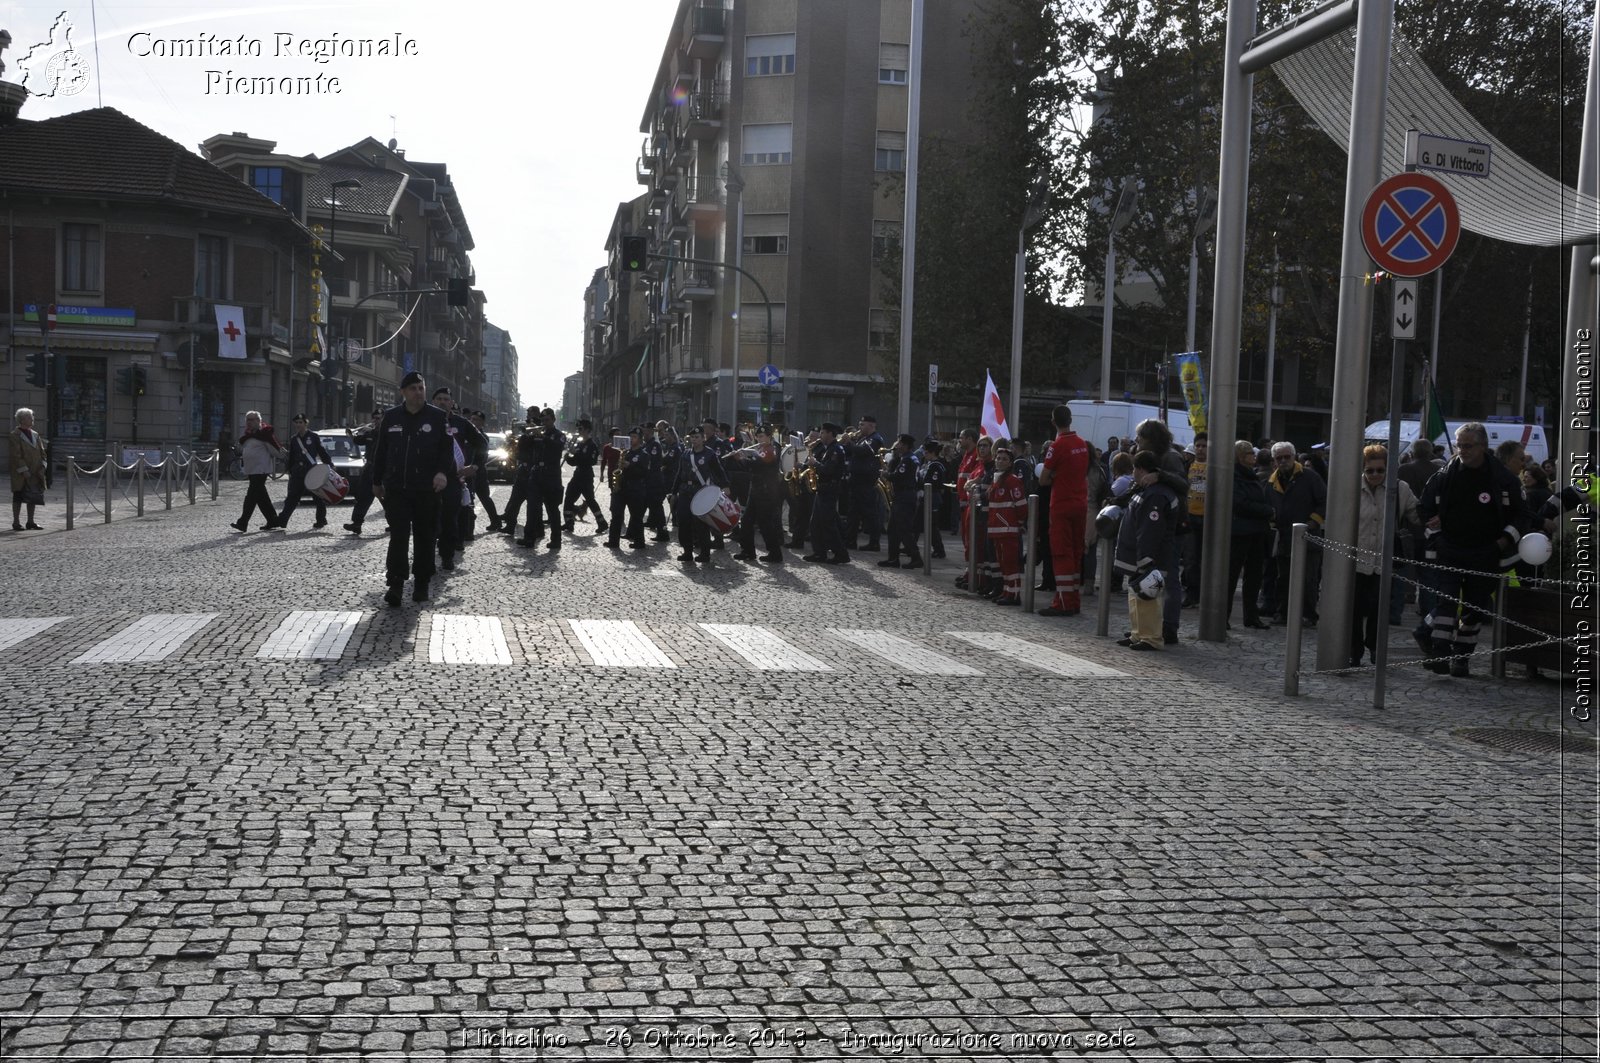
(1531, 436)
(1097, 421)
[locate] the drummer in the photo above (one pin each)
(698, 467)
(306, 452)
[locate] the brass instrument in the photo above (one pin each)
(616, 476)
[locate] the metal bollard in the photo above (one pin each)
(192, 475)
(216, 473)
(108, 473)
(166, 479)
(138, 475)
(1030, 568)
(927, 533)
(72, 475)
(1102, 621)
(1294, 610)
(972, 547)
(1497, 658)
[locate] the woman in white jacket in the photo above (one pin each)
(1369, 557)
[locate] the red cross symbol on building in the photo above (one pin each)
(233, 332)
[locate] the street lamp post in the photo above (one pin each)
(1127, 203)
(1031, 216)
(733, 181)
(333, 229)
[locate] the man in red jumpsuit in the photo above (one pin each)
(1065, 470)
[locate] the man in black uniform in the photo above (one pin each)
(659, 479)
(718, 443)
(631, 493)
(698, 467)
(412, 463)
(527, 451)
(480, 479)
(765, 508)
(833, 475)
(801, 497)
(364, 437)
(305, 450)
(865, 465)
(935, 474)
(453, 505)
(582, 457)
(1474, 515)
(544, 484)
(905, 473)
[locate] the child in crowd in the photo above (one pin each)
(1143, 543)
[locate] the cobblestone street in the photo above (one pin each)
(590, 803)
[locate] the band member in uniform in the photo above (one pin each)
(903, 471)
(1066, 472)
(480, 479)
(582, 456)
(610, 454)
(452, 509)
(833, 476)
(934, 474)
(527, 452)
(865, 464)
(365, 437)
(801, 496)
(698, 467)
(305, 450)
(632, 494)
(412, 463)
(662, 467)
(544, 483)
(738, 481)
(765, 507)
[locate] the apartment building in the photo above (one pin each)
(504, 403)
(774, 141)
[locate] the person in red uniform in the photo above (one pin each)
(1065, 470)
(968, 469)
(1008, 509)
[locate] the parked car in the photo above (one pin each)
(502, 463)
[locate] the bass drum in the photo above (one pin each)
(712, 505)
(789, 460)
(325, 484)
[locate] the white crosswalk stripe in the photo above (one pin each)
(1063, 664)
(153, 637)
(619, 644)
(310, 635)
(468, 640)
(905, 654)
(15, 631)
(764, 649)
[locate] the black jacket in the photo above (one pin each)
(1252, 513)
(412, 448)
(305, 451)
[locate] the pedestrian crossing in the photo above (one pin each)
(508, 641)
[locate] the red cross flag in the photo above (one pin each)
(993, 422)
(230, 333)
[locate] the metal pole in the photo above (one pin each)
(138, 475)
(1275, 299)
(216, 473)
(192, 478)
(1105, 316)
(1391, 512)
(1527, 338)
(1353, 354)
(1102, 622)
(1030, 536)
(1497, 659)
(908, 234)
(927, 530)
(972, 545)
(1297, 600)
(168, 467)
(738, 297)
(1194, 292)
(1583, 307)
(1433, 367)
(72, 475)
(1227, 305)
(108, 474)
(1016, 331)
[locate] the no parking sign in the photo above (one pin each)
(1410, 224)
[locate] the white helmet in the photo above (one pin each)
(1149, 586)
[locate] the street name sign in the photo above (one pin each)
(1469, 158)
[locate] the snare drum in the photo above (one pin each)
(712, 505)
(325, 484)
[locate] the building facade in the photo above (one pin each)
(504, 404)
(775, 142)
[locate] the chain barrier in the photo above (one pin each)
(107, 480)
(1490, 618)
(1376, 558)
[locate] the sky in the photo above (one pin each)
(535, 108)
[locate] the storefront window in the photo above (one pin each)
(821, 408)
(83, 400)
(211, 412)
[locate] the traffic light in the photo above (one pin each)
(349, 395)
(459, 292)
(125, 380)
(39, 369)
(635, 250)
(138, 380)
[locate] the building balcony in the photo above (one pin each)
(645, 168)
(693, 282)
(692, 357)
(705, 31)
(702, 112)
(197, 310)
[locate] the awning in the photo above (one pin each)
(88, 340)
(1517, 202)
